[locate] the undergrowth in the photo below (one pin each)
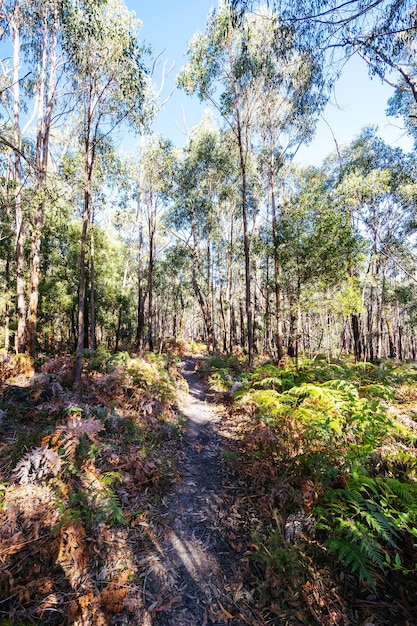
(79, 469)
(330, 451)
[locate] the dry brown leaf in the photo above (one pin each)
(11, 546)
(112, 598)
(167, 605)
(229, 615)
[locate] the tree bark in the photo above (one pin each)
(277, 269)
(246, 248)
(357, 346)
(88, 172)
(46, 94)
(151, 263)
(140, 325)
(92, 342)
(20, 339)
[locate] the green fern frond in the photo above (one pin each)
(346, 388)
(376, 391)
(373, 551)
(270, 400)
(327, 399)
(108, 506)
(405, 491)
(382, 525)
(269, 382)
(108, 478)
(354, 558)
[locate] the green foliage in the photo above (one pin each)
(99, 359)
(331, 427)
(220, 380)
(149, 374)
(366, 521)
(272, 377)
(376, 391)
(92, 505)
(282, 559)
(120, 358)
(221, 371)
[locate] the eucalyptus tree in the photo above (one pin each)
(44, 25)
(198, 208)
(382, 32)
(269, 89)
(293, 93)
(374, 183)
(222, 70)
(156, 166)
(6, 243)
(317, 245)
(30, 92)
(11, 22)
(110, 81)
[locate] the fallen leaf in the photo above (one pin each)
(168, 605)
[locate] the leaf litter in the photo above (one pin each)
(175, 551)
(122, 505)
(198, 569)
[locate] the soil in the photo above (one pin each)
(195, 573)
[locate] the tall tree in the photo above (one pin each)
(44, 25)
(15, 26)
(293, 93)
(222, 70)
(199, 185)
(156, 169)
(373, 180)
(106, 60)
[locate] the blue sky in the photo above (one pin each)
(357, 100)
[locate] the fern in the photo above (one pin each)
(96, 502)
(269, 382)
(37, 464)
(376, 391)
(107, 506)
(69, 435)
(354, 558)
(365, 525)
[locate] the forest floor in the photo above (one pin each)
(200, 553)
(168, 544)
(145, 496)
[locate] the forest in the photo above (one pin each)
(292, 289)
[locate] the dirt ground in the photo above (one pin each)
(195, 568)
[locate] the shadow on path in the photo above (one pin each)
(194, 573)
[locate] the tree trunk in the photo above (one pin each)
(292, 335)
(357, 346)
(140, 326)
(88, 172)
(204, 304)
(246, 248)
(46, 91)
(246, 244)
(277, 269)
(150, 283)
(392, 351)
(231, 310)
(92, 342)
(7, 307)
(20, 339)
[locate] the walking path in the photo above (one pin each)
(198, 562)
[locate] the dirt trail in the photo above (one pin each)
(195, 573)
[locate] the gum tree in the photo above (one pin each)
(156, 169)
(221, 70)
(269, 90)
(110, 79)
